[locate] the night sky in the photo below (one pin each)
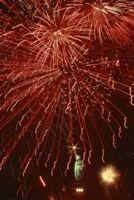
(43, 101)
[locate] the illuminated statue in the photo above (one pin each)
(78, 167)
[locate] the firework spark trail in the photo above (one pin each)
(107, 20)
(57, 41)
(50, 80)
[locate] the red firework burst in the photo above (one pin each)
(108, 20)
(50, 80)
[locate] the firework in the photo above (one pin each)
(107, 20)
(55, 87)
(109, 175)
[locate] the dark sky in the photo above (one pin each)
(122, 158)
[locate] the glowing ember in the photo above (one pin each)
(109, 175)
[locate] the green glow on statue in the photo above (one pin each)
(78, 167)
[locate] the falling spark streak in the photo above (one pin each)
(42, 181)
(131, 96)
(114, 141)
(59, 144)
(103, 154)
(68, 165)
(89, 157)
(125, 122)
(53, 143)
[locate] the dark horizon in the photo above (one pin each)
(66, 99)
